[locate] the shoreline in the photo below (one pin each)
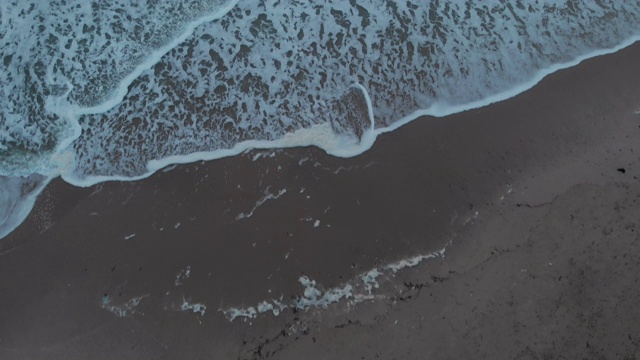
(367, 141)
(369, 137)
(418, 187)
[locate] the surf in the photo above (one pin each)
(266, 74)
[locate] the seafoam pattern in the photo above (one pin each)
(271, 67)
(62, 57)
(282, 72)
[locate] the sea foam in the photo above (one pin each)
(269, 69)
(119, 90)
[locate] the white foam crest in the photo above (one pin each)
(320, 135)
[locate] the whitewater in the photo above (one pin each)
(95, 91)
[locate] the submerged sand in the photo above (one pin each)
(534, 198)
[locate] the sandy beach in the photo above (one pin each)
(535, 201)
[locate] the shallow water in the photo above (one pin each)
(95, 92)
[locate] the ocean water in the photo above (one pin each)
(94, 90)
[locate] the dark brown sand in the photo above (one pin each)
(538, 196)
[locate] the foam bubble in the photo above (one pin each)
(196, 308)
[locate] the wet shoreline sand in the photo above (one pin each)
(524, 181)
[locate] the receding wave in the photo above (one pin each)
(269, 68)
(86, 92)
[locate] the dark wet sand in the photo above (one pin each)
(530, 192)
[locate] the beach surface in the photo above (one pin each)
(525, 213)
